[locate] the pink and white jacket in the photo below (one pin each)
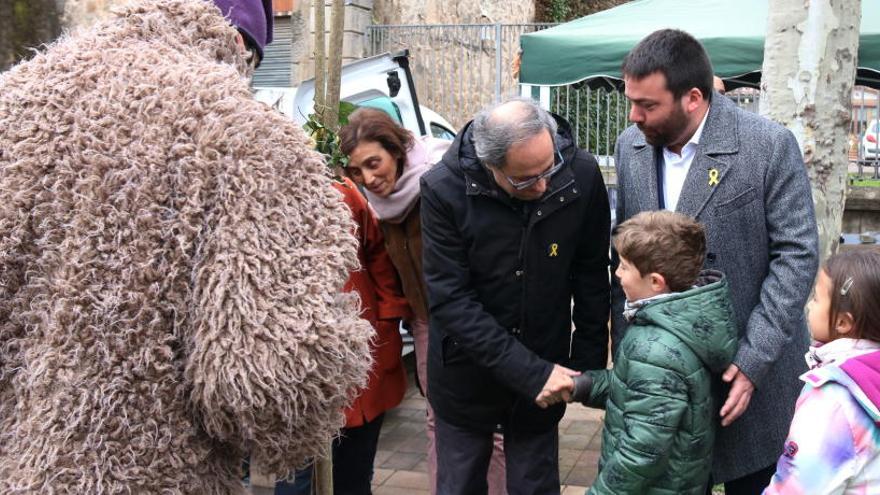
(833, 445)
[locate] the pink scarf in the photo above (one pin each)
(394, 208)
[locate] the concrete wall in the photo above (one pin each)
(862, 211)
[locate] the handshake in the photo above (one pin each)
(563, 385)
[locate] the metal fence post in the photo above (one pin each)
(498, 57)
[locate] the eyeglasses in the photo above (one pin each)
(519, 185)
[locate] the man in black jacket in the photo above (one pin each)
(515, 224)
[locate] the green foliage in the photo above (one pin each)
(327, 140)
(856, 180)
(559, 10)
(566, 10)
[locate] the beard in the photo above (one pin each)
(666, 132)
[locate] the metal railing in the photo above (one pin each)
(460, 68)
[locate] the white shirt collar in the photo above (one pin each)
(838, 351)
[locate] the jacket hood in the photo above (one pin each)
(189, 27)
(701, 317)
(860, 375)
(461, 157)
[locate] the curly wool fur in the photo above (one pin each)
(171, 259)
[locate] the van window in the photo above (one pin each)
(440, 132)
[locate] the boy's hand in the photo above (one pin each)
(739, 397)
(558, 388)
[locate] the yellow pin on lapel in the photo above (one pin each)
(554, 250)
(713, 177)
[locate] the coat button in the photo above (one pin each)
(519, 273)
(561, 199)
(539, 213)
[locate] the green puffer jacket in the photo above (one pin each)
(661, 412)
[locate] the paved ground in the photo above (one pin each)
(401, 468)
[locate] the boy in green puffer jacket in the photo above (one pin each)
(661, 412)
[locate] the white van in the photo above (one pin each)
(383, 81)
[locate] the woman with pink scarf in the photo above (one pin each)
(388, 161)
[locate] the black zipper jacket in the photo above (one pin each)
(501, 277)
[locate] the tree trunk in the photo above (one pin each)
(320, 58)
(334, 63)
(807, 81)
(26, 25)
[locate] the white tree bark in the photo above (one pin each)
(334, 64)
(806, 85)
(320, 58)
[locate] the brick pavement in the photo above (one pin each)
(400, 463)
(401, 468)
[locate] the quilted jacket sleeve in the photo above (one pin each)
(598, 393)
(649, 427)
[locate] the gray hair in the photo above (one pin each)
(494, 135)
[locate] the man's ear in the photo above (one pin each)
(693, 99)
(658, 282)
(844, 324)
(239, 40)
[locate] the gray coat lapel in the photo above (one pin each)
(644, 172)
(699, 185)
(719, 138)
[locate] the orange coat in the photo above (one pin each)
(383, 305)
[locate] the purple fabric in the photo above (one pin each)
(865, 371)
(253, 18)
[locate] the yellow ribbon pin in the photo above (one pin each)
(554, 248)
(713, 176)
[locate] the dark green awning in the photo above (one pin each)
(593, 47)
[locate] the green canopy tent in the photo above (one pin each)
(591, 48)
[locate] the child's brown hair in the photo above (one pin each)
(855, 289)
(671, 244)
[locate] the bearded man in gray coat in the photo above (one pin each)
(742, 176)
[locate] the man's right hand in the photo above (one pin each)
(558, 388)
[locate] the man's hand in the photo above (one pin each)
(740, 394)
(558, 388)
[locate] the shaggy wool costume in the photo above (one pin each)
(171, 259)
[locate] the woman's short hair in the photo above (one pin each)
(369, 124)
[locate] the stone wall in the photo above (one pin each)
(453, 12)
(82, 13)
(862, 211)
(454, 68)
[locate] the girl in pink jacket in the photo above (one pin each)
(834, 440)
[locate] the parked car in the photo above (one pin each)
(869, 145)
(383, 81)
